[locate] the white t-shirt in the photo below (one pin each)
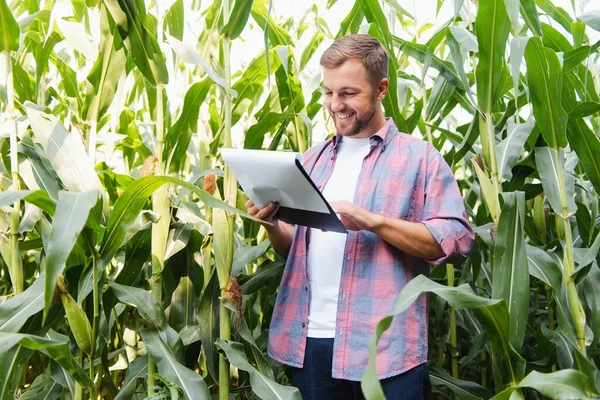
(326, 249)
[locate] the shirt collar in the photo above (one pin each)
(383, 135)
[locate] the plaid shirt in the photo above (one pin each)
(401, 177)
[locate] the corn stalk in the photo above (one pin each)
(15, 265)
(453, 340)
(160, 205)
(230, 189)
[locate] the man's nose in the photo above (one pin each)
(336, 103)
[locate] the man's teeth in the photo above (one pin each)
(343, 115)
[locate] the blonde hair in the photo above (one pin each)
(360, 46)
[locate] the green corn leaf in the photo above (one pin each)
(544, 268)
(251, 83)
(441, 93)
(573, 58)
(9, 28)
(189, 55)
(509, 150)
(565, 384)
(380, 30)
(62, 377)
(65, 152)
(531, 17)
(584, 109)
(166, 350)
(310, 49)
(554, 39)
(178, 137)
(15, 311)
(146, 305)
(42, 388)
(517, 51)
(492, 29)
(68, 76)
(24, 83)
(587, 146)
(137, 253)
(544, 76)
(76, 35)
(174, 20)
(57, 348)
(512, 10)
(264, 387)
(556, 13)
(179, 236)
(38, 198)
(255, 135)
(42, 54)
(184, 307)
(265, 275)
(130, 203)
(244, 255)
(592, 299)
(457, 60)
(130, 17)
(465, 38)
(13, 363)
(72, 211)
(549, 162)
(138, 368)
(238, 18)
(106, 72)
(352, 22)
(277, 36)
(511, 275)
(463, 389)
(581, 137)
(419, 53)
(208, 322)
(492, 314)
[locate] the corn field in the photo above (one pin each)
(129, 268)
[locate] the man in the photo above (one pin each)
(403, 209)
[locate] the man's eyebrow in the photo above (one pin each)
(354, 89)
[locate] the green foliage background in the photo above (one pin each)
(121, 231)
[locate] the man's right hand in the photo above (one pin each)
(267, 213)
(280, 233)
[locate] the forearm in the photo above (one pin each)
(411, 237)
(281, 235)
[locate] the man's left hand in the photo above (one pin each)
(353, 217)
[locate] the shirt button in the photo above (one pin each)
(306, 288)
(303, 325)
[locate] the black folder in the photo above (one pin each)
(279, 176)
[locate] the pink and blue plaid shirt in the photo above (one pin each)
(401, 177)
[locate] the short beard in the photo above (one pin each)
(363, 122)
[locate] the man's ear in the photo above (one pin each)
(382, 89)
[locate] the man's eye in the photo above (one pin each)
(328, 93)
(349, 94)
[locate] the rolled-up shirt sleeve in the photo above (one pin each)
(444, 211)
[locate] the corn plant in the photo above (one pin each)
(129, 268)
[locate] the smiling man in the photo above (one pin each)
(401, 204)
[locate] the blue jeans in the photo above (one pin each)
(315, 382)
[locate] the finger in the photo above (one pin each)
(249, 204)
(265, 211)
(273, 212)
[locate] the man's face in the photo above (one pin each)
(350, 98)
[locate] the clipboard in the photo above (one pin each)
(279, 176)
